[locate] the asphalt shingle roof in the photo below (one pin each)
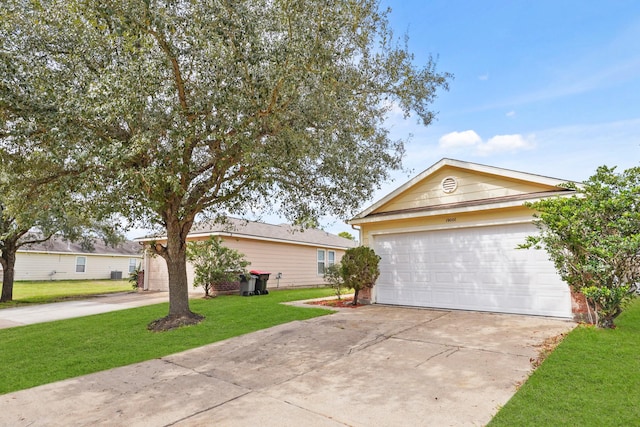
(261, 230)
(58, 245)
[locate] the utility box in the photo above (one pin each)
(116, 275)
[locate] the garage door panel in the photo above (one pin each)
(444, 297)
(472, 269)
(407, 295)
(421, 277)
(491, 278)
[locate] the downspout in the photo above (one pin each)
(359, 230)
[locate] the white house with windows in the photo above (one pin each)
(58, 259)
(295, 258)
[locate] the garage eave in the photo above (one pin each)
(458, 208)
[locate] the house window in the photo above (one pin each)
(331, 258)
(133, 264)
(81, 264)
(321, 262)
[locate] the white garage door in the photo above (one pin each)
(470, 269)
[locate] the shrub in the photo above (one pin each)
(593, 238)
(332, 275)
(214, 263)
(359, 269)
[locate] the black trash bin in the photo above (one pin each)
(261, 281)
(247, 284)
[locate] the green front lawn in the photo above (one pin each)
(43, 353)
(38, 292)
(591, 379)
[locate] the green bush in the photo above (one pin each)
(214, 263)
(359, 269)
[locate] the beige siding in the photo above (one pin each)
(156, 274)
(42, 266)
(297, 263)
(471, 186)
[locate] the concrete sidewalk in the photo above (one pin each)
(40, 313)
(374, 365)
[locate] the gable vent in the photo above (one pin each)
(449, 184)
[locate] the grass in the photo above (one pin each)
(43, 353)
(591, 379)
(39, 292)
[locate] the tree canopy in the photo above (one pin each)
(176, 108)
(37, 200)
(593, 238)
(346, 235)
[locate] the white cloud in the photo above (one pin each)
(484, 77)
(470, 142)
(460, 139)
(511, 114)
(504, 143)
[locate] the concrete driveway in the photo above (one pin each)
(39, 313)
(375, 365)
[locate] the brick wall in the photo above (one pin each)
(580, 309)
(226, 288)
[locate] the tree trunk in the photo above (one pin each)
(606, 322)
(355, 296)
(8, 261)
(175, 255)
(178, 285)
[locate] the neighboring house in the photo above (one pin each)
(448, 239)
(58, 259)
(297, 257)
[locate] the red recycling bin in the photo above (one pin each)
(261, 281)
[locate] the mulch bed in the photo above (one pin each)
(339, 303)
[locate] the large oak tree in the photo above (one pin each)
(182, 108)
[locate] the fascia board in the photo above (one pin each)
(26, 251)
(248, 237)
(448, 211)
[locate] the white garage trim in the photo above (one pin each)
(469, 268)
(451, 226)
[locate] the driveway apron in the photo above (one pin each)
(374, 365)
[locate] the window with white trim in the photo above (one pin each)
(331, 258)
(81, 264)
(133, 264)
(321, 262)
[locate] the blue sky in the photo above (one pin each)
(546, 87)
(550, 87)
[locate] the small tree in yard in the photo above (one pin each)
(359, 269)
(214, 263)
(333, 276)
(593, 238)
